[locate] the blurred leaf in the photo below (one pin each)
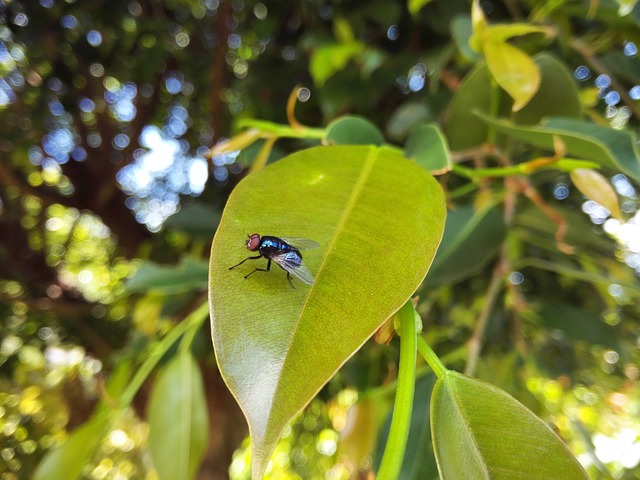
(481, 432)
(597, 188)
(585, 326)
(557, 96)
(178, 424)
(352, 130)
(514, 71)
(189, 275)
(419, 459)
(503, 32)
(331, 58)
(463, 129)
(471, 239)
(358, 437)
(480, 26)
(414, 6)
(606, 146)
(277, 346)
(67, 461)
(195, 219)
(461, 31)
(406, 117)
(428, 147)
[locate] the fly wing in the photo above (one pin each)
(292, 263)
(301, 243)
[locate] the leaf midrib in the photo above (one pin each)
(351, 202)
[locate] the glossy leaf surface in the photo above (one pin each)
(481, 432)
(178, 425)
(378, 218)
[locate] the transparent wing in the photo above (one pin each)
(292, 263)
(301, 243)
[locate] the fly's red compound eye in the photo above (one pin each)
(253, 243)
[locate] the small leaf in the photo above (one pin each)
(604, 145)
(595, 187)
(514, 71)
(501, 33)
(414, 6)
(277, 346)
(353, 130)
(481, 432)
(480, 26)
(188, 275)
(178, 423)
(69, 459)
(461, 31)
(331, 58)
(428, 147)
(471, 239)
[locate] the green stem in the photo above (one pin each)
(282, 131)
(193, 321)
(565, 165)
(403, 405)
(431, 358)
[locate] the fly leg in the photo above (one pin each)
(290, 282)
(248, 258)
(259, 269)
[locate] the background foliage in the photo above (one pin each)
(109, 200)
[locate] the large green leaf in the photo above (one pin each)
(608, 147)
(378, 218)
(481, 432)
(471, 239)
(178, 423)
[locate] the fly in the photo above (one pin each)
(284, 252)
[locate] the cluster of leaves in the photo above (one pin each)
(524, 291)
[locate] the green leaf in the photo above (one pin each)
(188, 275)
(353, 130)
(330, 58)
(471, 239)
(501, 33)
(557, 96)
(582, 325)
(514, 71)
(414, 6)
(593, 185)
(277, 346)
(463, 129)
(67, 461)
(195, 219)
(178, 424)
(428, 147)
(606, 146)
(481, 432)
(461, 31)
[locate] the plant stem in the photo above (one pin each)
(403, 404)
(431, 358)
(194, 320)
